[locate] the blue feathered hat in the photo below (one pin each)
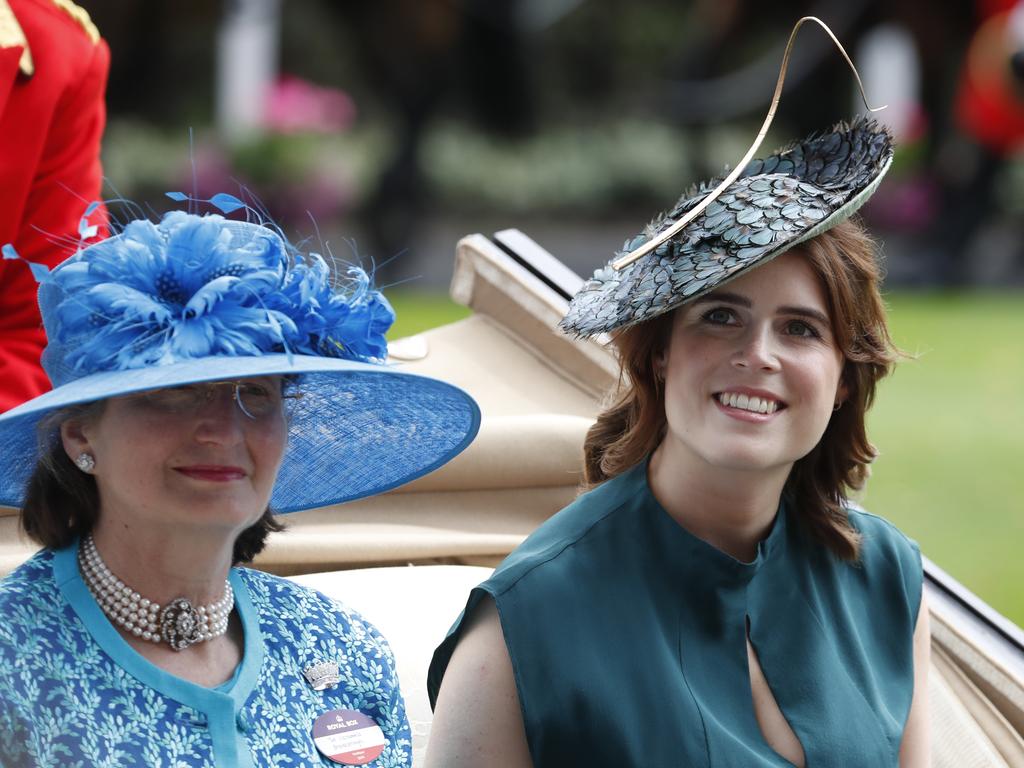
(203, 298)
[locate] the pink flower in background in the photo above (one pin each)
(295, 105)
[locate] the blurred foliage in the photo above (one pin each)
(320, 173)
(140, 159)
(619, 166)
(624, 164)
(615, 164)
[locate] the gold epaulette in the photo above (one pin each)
(11, 34)
(80, 15)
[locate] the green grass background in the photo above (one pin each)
(949, 425)
(950, 428)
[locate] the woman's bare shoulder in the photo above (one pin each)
(477, 720)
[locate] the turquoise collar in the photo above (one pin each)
(77, 594)
(688, 551)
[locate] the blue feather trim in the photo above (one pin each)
(194, 286)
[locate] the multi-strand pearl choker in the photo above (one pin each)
(179, 623)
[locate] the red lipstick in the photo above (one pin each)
(216, 473)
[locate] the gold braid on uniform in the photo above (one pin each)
(80, 15)
(11, 35)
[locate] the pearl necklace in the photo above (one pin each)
(178, 624)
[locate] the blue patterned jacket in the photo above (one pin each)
(74, 693)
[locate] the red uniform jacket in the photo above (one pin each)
(51, 119)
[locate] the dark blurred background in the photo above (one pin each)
(390, 129)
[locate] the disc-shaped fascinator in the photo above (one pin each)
(727, 226)
(203, 298)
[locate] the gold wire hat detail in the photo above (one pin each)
(624, 261)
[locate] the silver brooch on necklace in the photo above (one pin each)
(179, 623)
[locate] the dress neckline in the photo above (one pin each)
(690, 556)
(80, 599)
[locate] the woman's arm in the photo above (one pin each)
(915, 750)
(477, 720)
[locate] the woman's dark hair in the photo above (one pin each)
(62, 503)
(818, 486)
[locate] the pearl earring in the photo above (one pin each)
(85, 462)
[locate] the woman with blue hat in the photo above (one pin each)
(714, 599)
(206, 377)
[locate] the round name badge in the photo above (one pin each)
(348, 737)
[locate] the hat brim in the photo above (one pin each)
(358, 429)
(780, 202)
(839, 216)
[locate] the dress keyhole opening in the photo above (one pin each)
(773, 724)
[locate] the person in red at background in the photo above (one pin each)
(990, 99)
(989, 116)
(53, 75)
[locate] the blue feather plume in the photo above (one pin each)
(193, 286)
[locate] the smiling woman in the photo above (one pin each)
(206, 375)
(843, 313)
(729, 356)
(714, 599)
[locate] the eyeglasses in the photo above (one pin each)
(255, 400)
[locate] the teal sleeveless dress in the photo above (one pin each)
(627, 636)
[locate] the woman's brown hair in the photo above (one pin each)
(844, 258)
(62, 503)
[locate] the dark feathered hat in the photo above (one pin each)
(773, 204)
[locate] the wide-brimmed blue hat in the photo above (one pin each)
(203, 298)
